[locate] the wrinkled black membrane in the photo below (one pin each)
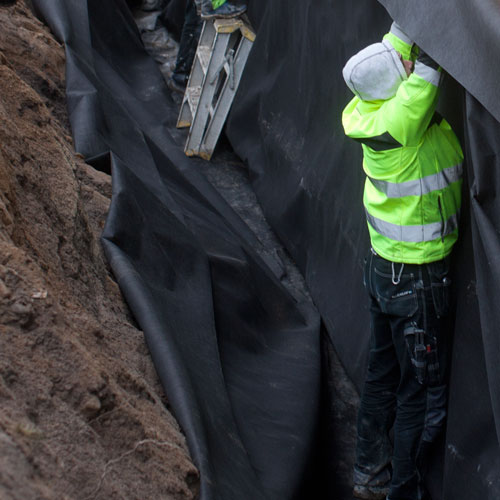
(238, 356)
(286, 123)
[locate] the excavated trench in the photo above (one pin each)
(83, 414)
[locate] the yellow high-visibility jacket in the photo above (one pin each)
(413, 162)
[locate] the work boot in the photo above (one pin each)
(177, 83)
(370, 492)
(225, 11)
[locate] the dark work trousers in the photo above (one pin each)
(189, 42)
(405, 385)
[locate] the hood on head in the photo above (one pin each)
(375, 72)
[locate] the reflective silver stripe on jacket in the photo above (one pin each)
(413, 234)
(397, 31)
(429, 74)
(419, 187)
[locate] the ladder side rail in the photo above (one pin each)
(223, 69)
(196, 76)
(200, 118)
(221, 109)
(207, 34)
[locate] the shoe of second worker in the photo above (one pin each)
(370, 492)
(225, 11)
(176, 85)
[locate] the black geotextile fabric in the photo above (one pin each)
(286, 123)
(238, 356)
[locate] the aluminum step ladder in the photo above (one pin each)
(215, 75)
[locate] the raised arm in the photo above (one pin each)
(408, 114)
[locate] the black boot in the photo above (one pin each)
(225, 11)
(177, 83)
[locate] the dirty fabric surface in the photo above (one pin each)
(239, 356)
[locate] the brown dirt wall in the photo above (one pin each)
(82, 414)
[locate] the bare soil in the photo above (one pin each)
(82, 414)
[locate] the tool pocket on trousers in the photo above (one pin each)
(397, 300)
(422, 349)
(441, 291)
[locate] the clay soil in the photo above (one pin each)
(82, 414)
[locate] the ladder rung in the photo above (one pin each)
(193, 97)
(228, 25)
(204, 53)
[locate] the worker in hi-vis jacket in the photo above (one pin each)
(220, 9)
(413, 165)
(197, 11)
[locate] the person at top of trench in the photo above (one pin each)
(413, 165)
(206, 9)
(222, 9)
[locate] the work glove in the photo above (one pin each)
(426, 59)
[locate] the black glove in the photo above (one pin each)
(426, 59)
